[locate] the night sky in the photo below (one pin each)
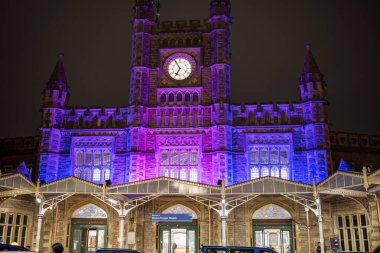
(268, 48)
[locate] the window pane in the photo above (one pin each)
(79, 158)
(254, 156)
(340, 222)
(275, 172)
(9, 232)
(349, 239)
(193, 157)
(23, 236)
(285, 173)
(96, 175)
(18, 219)
(107, 174)
(274, 156)
(10, 218)
(263, 155)
(165, 173)
(184, 159)
(2, 233)
(174, 158)
(164, 158)
(193, 175)
(88, 158)
(264, 171)
(2, 218)
(254, 172)
(16, 234)
(183, 174)
(87, 175)
(107, 158)
(78, 173)
(284, 156)
(174, 173)
(342, 245)
(347, 221)
(355, 220)
(363, 220)
(97, 158)
(25, 221)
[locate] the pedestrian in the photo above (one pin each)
(57, 247)
(174, 246)
(318, 249)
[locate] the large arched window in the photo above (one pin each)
(274, 172)
(274, 156)
(254, 156)
(107, 158)
(284, 156)
(89, 211)
(107, 174)
(97, 158)
(79, 158)
(183, 175)
(174, 173)
(264, 155)
(255, 173)
(184, 158)
(88, 158)
(78, 173)
(193, 157)
(96, 175)
(174, 158)
(284, 173)
(164, 158)
(193, 175)
(87, 175)
(270, 212)
(264, 171)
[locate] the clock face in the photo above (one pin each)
(179, 68)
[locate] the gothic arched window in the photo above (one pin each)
(174, 158)
(87, 175)
(174, 173)
(274, 156)
(164, 158)
(193, 157)
(184, 158)
(274, 172)
(183, 174)
(193, 175)
(264, 171)
(171, 97)
(254, 156)
(163, 99)
(78, 173)
(254, 173)
(96, 175)
(195, 99)
(284, 156)
(88, 158)
(165, 173)
(264, 155)
(97, 158)
(284, 173)
(79, 158)
(107, 158)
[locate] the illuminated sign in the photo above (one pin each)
(172, 217)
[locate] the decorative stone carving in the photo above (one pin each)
(271, 211)
(90, 211)
(180, 209)
(269, 138)
(192, 140)
(93, 141)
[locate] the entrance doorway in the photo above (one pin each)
(277, 237)
(178, 239)
(87, 238)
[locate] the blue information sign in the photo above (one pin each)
(172, 217)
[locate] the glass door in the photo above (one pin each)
(87, 238)
(275, 237)
(178, 239)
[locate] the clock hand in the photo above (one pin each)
(177, 63)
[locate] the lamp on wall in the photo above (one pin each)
(108, 182)
(220, 182)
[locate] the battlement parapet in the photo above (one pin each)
(21, 143)
(354, 140)
(169, 26)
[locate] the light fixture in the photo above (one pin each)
(223, 201)
(38, 199)
(112, 201)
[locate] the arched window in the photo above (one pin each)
(188, 42)
(284, 173)
(274, 156)
(107, 174)
(275, 172)
(195, 42)
(284, 156)
(88, 158)
(172, 43)
(165, 173)
(187, 98)
(174, 158)
(254, 173)
(184, 158)
(179, 98)
(264, 155)
(87, 175)
(78, 173)
(97, 158)
(194, 175)
(183, 174)
(96, 175)
(163, 99)
(195, 99)
(254, 156)
(79, 158)
(193, 157)
(171, 97)
(107, 158)
(264, 171)
(164, 158)
(174, 173)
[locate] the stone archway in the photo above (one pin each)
(179, 208)
(271, 211)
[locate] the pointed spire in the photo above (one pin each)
(310, 70)
(58, 77)
(310, 66)
(220, 7)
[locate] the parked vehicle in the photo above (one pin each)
(117, 251)
(9, 247)
(235, 249)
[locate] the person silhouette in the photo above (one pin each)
(57, 247)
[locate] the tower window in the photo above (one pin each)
(94, 166)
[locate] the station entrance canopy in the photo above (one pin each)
(223, 199)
